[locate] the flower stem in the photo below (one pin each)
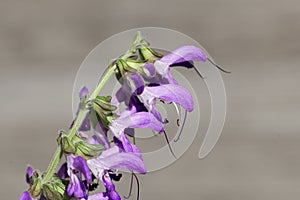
(105, 78)
(80, 117)
(54, 162)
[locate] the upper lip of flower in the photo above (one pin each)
(114, 158)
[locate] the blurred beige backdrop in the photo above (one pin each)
(42, 44)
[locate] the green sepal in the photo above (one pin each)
(122, 64)
(67, 145)
(35, 189)
(104, 98)
(60, 185)
(104, 103)
(137, 40)
(87, 150)
(102, 110)
(51, 191)
(148, 54)
(134, 64)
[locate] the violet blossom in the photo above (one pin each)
(145, 78)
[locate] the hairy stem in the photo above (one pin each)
(52, 167)
(80, 117)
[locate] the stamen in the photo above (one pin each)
(138, 186)
(133, 139)
(130, 189)
(181, 129)
(178, 122)
(178, 114)
(197, 71)
(217, 66)
(166, 137)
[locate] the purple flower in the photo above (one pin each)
(170, 93)
(77, 167)
(132, 119)
(114, 158)
(184, 53)
(98, 196)
(26, 196)
(181, 55)
(29, 173)
(133, 85)
(83, 92)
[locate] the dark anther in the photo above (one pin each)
(181, 129)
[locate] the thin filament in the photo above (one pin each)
(166, 137)
(217, 66)
(181, 128)
(130, 189)
(197, 71)
(138, 186)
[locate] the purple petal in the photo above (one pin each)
(169, 92)
(133, 85)
(80, 164)
(122, 95)
(129, 161)
(110, 187)
(155, 112)
(114, 159)
(150, 69)
(137, 83)
(135, 120)
(76, 187)
(98, 196)
(26, 196)
(185, 53)
(29, 173)
(128, 147)
(83, 92)
(85, 126)
(63, 171)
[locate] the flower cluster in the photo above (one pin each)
(98, 143)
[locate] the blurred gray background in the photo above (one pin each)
(42, 44)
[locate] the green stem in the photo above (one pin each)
(80, 117)
(54, 162)
(108, 74)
